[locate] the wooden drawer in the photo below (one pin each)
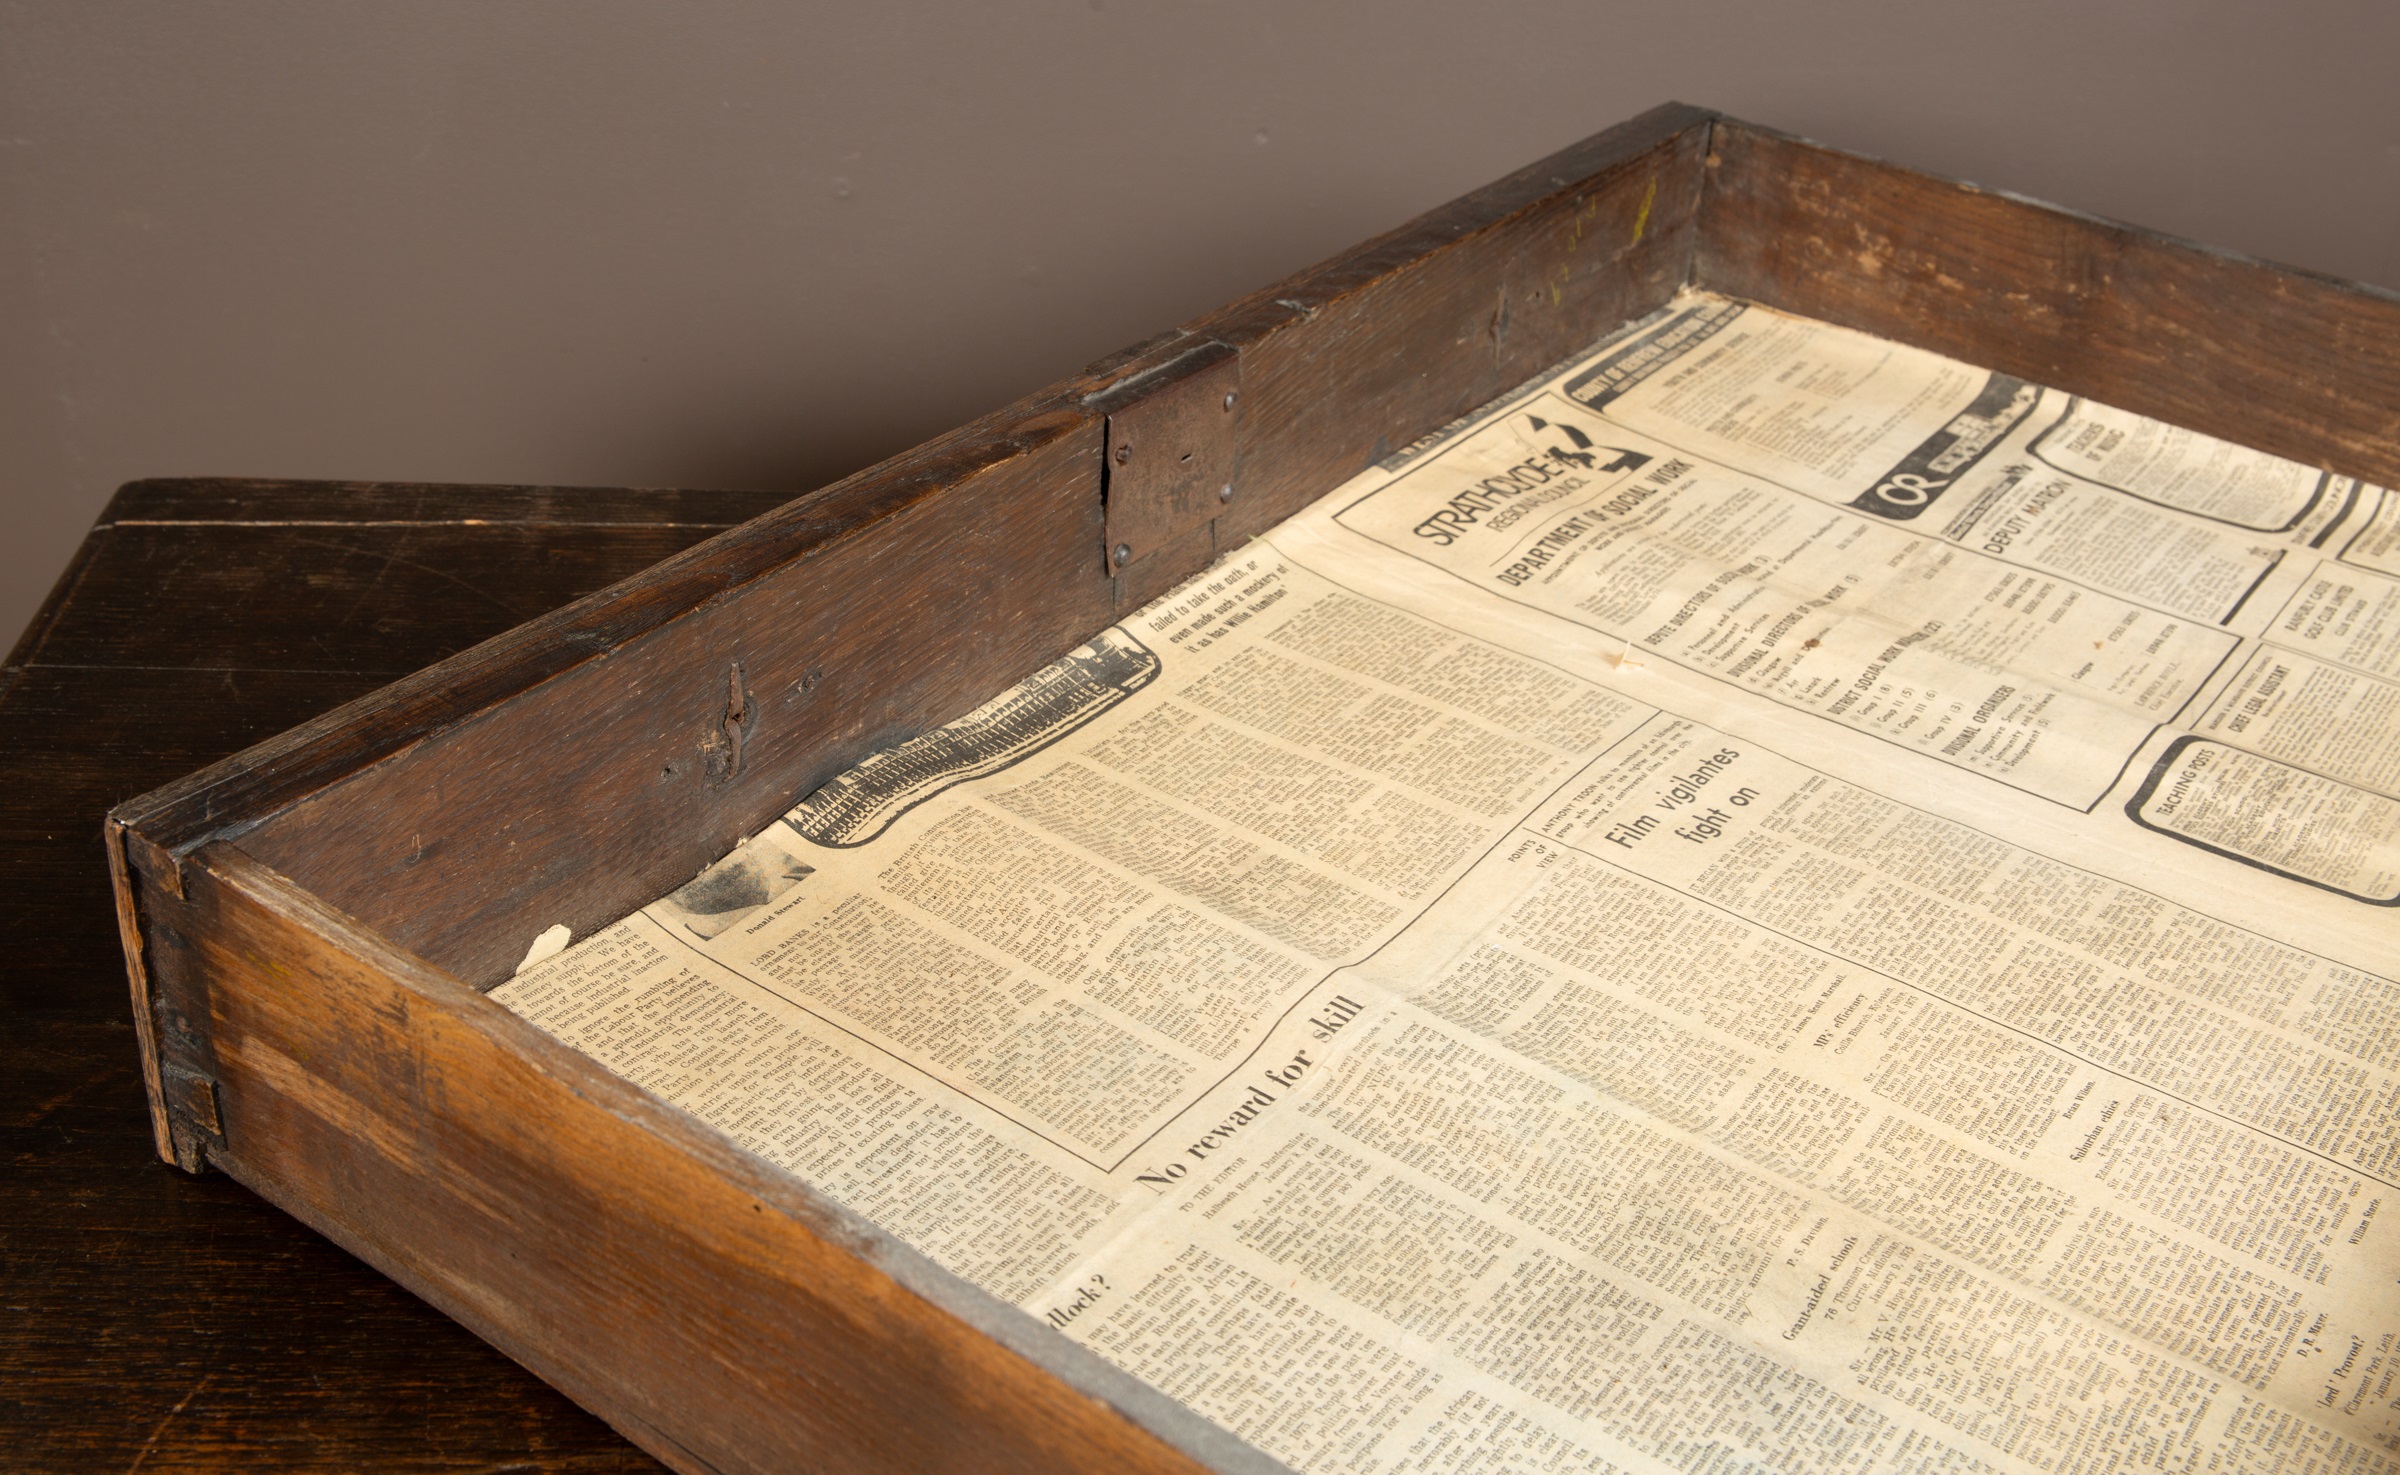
(309, 925)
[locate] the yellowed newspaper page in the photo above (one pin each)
(1732, 910)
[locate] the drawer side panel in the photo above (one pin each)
(615, 781)
(1344, 365)
(2281, 360)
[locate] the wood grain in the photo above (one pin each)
(2282, 360)
(599, 789)
(561, 771)
(1354, 359)
(251, 502)
(706, 1303)
(184, 1323)
(558, 775)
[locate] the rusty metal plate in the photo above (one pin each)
(1170, 456)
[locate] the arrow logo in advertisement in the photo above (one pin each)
(1583, 455)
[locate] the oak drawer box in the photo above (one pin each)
(310, 925)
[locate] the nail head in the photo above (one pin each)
(1123, 554)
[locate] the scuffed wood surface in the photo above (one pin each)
(1354, 359)
(564, 772)
(154, 1320)
(613, 782)
(702, 1300)
(2282, 360)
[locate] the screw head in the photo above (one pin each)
(1230, 397)
(1124, 453)
(1225, 492)
(1122, 554)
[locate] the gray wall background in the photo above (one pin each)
(762, 243)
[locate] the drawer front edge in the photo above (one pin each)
(708, 1305)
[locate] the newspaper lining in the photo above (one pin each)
(1771, 899)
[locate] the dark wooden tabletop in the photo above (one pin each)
(151, 1321)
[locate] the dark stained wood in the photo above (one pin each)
(1171, 448)
(560, 774)
(78, 738)
(1356, 358)
(178, 1322)
(451, 583)
(236, 793)
(604, 787)
(351, 504)
(2283, 360)
(188, 1324)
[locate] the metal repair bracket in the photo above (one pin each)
(1169, 461)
